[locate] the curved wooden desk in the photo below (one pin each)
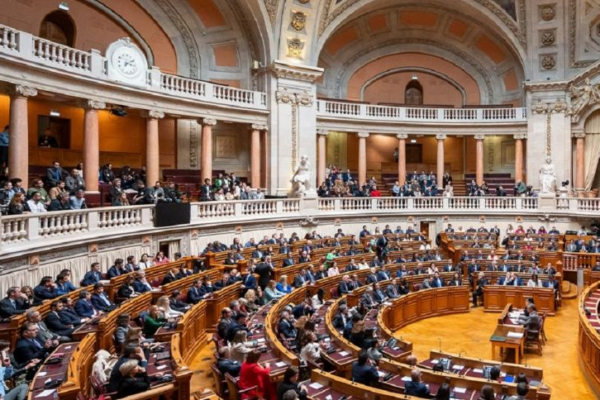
(496, 297)
(589, 336)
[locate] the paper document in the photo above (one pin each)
(280, 364)
(435, 361)
(161, 367)
(46, 393)
(458, 367)
(316, 385)
(260, 340)
(406, 378)
(344, 353)
(42, 374)
(515, 335)
(460, 390)
(478, 371)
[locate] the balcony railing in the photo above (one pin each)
(23, 45)
(22, 232)
(327, 108)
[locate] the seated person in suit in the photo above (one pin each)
(426, 284)
(225, 364)
(341, 317)
(456, 280)
(46, 290)
(29, 347)
(153, 321)
(54, 322)
(533, 320)
(223, 282)
(132, 351)
(100, 300)
(238, 324)
(372, 277)
(286, 327)
(84, 306)
(364, 371)
(92, 277)
(140, 283)
(171, 276)
(379, 294)
(127, 290)
(195, 294)
(63, 284)
(436, 281)
(415, 387)
(176, 303)
(44, 333)
(134, 379)
(369, 299)
(207, 288)
(343, 286)
(522, 390)
(117, 270)
(392, 289)
(480, 284)
(14, 303)
(68, 316)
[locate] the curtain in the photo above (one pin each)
(173, 248)
(107, 259)
(592, 148)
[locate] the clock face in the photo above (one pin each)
(127, 64)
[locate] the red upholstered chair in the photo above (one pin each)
(234, 390)
(334, 293)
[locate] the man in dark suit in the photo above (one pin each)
(285, 326)
(117, 269)
(92, 277)
(100, 300)
(354, 283)
(225, 322)
(436, 281)
(392, 289)
(379, 295)
(238, 324)
(171, 276)
(263, 270)
(372, 277)
(364, 232)
(478, 292)
(343, 285)
(415, 387)
(341, 317)
(68, 316)
(205, 190)
(54, 174)
(14, 303)
(29, 347)
(383, 274)
(363, 371)
(382, 244)
(54, 322)
(141, 284)
(369, 298)
(194, 294)
(84, 307)
(46, 290)
(533, 320)
(301, 279)
(225, 365)
(131, 352)
(289, 260)
(207, 288)
(249, 281)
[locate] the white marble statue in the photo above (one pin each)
(547, 177)
(301, 181)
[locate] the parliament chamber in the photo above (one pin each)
(299, 199)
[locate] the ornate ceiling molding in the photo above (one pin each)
(331, 12)
(186, 35)
(572, 15)
(472, 61)
(271, 6)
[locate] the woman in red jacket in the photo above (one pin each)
(252, 374)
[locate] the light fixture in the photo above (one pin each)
(415, 77)
(63, 6)
(54, 113)
(413, 140)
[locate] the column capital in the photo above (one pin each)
(257, 127)
(322, 132)
(363, 135)
(18, 90)
(209, 121)
(402, 136)
(92, 104)
(578, 135)
(520, 136)
(153, 114)
(441, 136)
(479, 136)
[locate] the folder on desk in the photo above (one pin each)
(509, 378)
(515, 335)
(497, 338)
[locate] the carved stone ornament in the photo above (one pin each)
(540, 108)
(520, 136)
(402, 136)
(548, 38)
(583, 95)
(93, 104)
(560, 107)
(296, 72)
(295, 48)
(153, 114)
(548, 62)
(259, 127)
(285, 97)
(209, 121)
(547, 13)
(17, 90)
(298, 20)
(303, 99)
(309, 221)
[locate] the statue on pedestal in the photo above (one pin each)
(547, 177)
(301, 181)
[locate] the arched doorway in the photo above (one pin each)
(58, 27)
(413, 95)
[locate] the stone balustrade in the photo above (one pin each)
(18, 233)
(360, 111)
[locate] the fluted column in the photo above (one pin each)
(152, 146)
(479, 159)
(402, 157)
(519, 156)
(321, 155)
(440, 160)
(18, 148)
(579, 161)
(255, 154)
(91, 144)
(362, 157)
(207, 125)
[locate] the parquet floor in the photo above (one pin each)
(471, 332)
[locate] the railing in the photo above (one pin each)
(20, 232)
(327, 108)
(25, 46)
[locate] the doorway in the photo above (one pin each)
(60, 128)
(414, 153)
(170, 248)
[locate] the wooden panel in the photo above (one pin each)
(496, 297)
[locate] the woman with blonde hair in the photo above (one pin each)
(165, 307)
(272, 293)
(252, 299)
(283, 286)
(239, 347)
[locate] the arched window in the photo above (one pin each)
(413, 93)
(58, 27)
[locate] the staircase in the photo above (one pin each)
(460, 187)
(493, 181)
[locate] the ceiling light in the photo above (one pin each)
(54, 113)
(63, 6)
(415, 77)
(413, 140)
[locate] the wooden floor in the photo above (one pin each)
(471, 332)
